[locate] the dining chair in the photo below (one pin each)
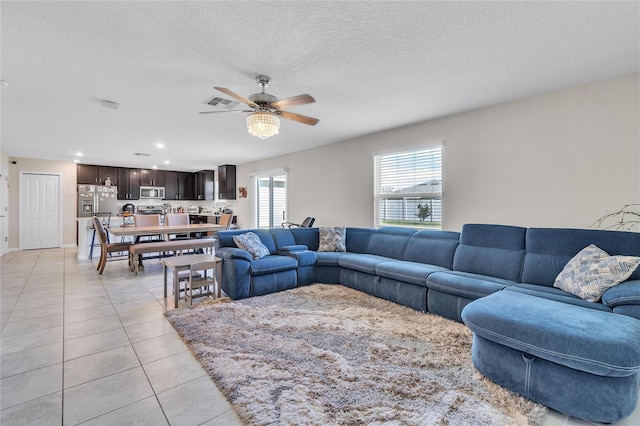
(201, 276)
(147, 220)
(177, 219)
(106, 247)
(105, 219)
(226, 219)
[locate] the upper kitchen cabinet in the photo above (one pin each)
(128, 183)
(179, 186)
(204, 185)
(94, 175)
(152, 177)
(227, 182)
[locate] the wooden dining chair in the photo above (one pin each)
(226, 219)
(147, 220)
(106, 247)
(177, 219)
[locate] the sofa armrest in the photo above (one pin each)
(626, 293)
(230, 253)
(288, 249)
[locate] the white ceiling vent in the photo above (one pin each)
(221, 103)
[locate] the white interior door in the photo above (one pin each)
(40, 211)
(4, 230)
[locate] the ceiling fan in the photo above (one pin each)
(266, 109)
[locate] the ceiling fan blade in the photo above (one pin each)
(231, 110)
(296, 100)
(236, 96)
(298, 117)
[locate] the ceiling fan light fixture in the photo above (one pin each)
(263, 124)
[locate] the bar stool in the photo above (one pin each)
(105, 220)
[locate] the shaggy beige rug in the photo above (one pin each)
(326, 354)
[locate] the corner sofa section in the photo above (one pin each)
(581, 358)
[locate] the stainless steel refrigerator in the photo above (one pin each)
(94, 199)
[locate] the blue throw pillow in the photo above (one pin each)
(251, 243)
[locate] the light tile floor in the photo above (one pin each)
(81, 348)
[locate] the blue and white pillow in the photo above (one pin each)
(332, 239)
(251, 243)
(592, 271)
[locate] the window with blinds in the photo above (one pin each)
(408, 188)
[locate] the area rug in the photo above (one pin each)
(327, 354)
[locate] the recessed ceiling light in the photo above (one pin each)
(154, 167)
(79, 154)
(167, 162)
(159, 145)
(76, 161)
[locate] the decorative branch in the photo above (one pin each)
(625, 219)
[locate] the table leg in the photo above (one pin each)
(176, 287)
(164, 267)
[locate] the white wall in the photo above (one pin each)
(561, 159)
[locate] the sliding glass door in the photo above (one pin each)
(271, 203)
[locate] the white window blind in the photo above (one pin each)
(408, 188)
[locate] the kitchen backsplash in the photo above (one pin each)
(215, 206)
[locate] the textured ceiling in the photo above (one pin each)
(370, 66)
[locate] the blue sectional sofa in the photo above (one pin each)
(529, 336)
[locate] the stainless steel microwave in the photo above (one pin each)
(156, 192)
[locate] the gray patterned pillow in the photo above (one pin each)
(592, 271)
(251, 243)
(332, 239)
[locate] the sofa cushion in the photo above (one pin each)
(410, 272)
(627, 293)
(306, 236)
(556, 294)
(390, 242)
(282, 237)
(465, 284)
(332, 239)
(271, 264)
(329, 258)
(361, 262)
(588, 340)
(432, 247)
(251, 243)
(592, 271)
(549, 250)
(492, 250)
(358, 238)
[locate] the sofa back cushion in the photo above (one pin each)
(306, 237)
(358, 238)
(493, 250)
(282, 237)
(225, 238)
(432, 247)
(549, 250)
(390, 242)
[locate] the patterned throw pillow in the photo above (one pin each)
(332, 239)
(251, 243)
(592, 271)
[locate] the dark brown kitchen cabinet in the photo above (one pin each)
(94, 175)
(204, 185)
(152, 177)
(179, 186)
(128, 183)
(227, 182)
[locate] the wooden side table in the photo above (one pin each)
(181, 263)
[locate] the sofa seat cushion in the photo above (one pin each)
(589, 340)
(304, 257)
(362, 262)
(328, 258)
(553, 293)
(410, 272)
(272, 263)
(465, 284)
